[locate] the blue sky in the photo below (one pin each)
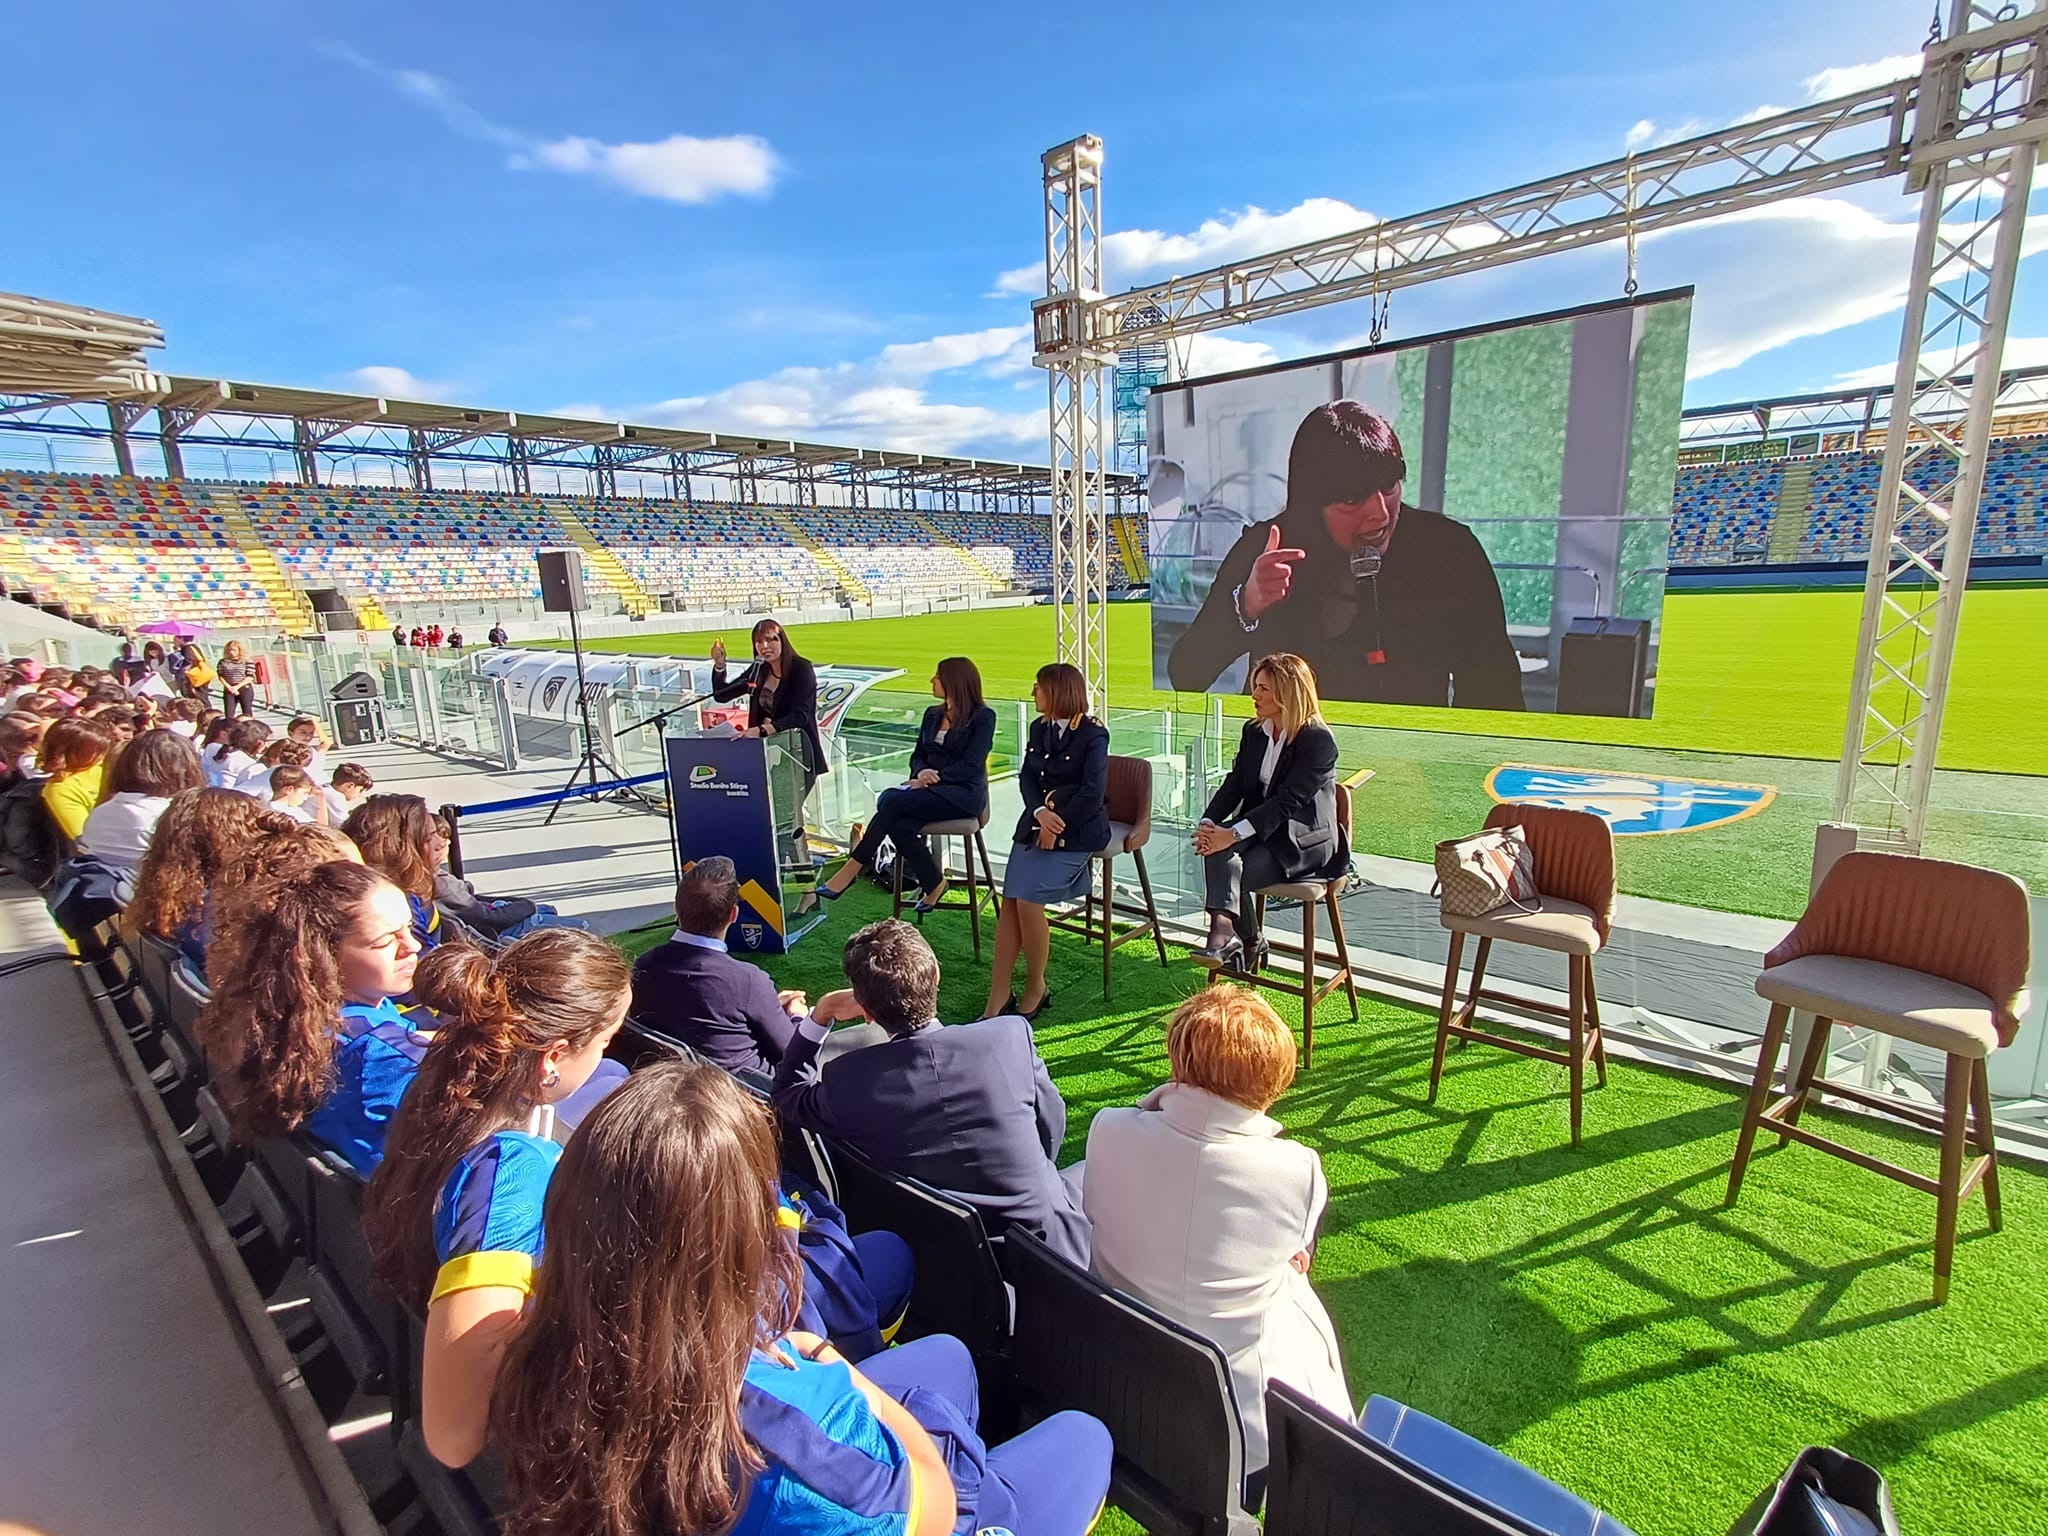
(796, 219)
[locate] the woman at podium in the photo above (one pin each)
(782, 699)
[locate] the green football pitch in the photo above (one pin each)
(1752, 688)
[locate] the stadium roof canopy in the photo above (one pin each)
(54, 356)
(2022, 407)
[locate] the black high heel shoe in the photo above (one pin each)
(1227, 956)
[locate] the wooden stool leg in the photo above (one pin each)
(1151, 907)
(1575, 967)
(1478, 980)
(1980, 1109)
(1594, 1032)
(1955, 1127)
(973, 896)
(1759, 1092)
(896, 910)
(1108, 920)
(988, 872)
(1813, 1063)
(1343, 950)
(1443, 1019)
(1308, 984)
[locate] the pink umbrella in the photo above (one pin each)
(182, 627)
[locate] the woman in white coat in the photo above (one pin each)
(1203, 1212)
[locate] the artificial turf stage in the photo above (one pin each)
(1593, 1311)
(1752, 688)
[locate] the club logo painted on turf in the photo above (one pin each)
(1632, 805)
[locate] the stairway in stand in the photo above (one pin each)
(609, 568)
(293, 611)
(1795, 513)
(1127, 546)
(953, 546)
(834, 567)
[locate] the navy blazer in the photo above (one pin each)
(723, 1009)
(966, 1108)
(1295, 816)
(961, 760)
(796, 702)
(1069, 771)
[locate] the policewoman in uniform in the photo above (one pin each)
(1065, 783)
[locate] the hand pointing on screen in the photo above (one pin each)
(1272, 576)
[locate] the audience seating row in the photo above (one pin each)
(1045, 1335)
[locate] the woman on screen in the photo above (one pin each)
(1065, 783)
(1390, 603)
(1274, 819)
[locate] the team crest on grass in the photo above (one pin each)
(1633, 805)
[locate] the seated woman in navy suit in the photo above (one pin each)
(1065, 782)
(301, 1029)
(948, 781)
(1274, 818)
(715, 1411)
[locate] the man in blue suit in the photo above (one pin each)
(691, 990)
(966, 1108)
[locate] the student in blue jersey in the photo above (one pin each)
(394, 832)
(299, 1029)
(454, 1212)
(660, 1388)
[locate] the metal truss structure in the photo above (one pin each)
(1076, 357)
(311, 435)
(1964, 133)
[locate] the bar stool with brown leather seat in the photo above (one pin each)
(1573, 852)
(1311, 894)
(979, 892)
(1920, 950)
(1128, 798)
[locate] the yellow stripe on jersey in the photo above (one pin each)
(474, 1271)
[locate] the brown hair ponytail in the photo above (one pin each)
(499, 1016)
(268, 1030)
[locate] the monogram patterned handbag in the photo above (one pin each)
(1484, 872)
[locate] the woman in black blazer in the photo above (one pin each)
(782, 698)
(1274, 818)
(1064, 779)
(948, 780)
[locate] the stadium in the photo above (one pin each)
(1752, 638)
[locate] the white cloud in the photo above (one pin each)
(1207, 354)
(1134, 255)
(678, 169)
(1774, 274)
(2020, 352)
(1847, 79)
(880, 401)
(389, 383)
(1644, 130)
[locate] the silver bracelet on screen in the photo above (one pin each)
(1237, 604)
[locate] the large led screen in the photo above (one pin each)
(1479, 519)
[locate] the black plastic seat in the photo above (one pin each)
(1163, 1392)
(958, 1287)
(1325, 1478)
(359, 1315)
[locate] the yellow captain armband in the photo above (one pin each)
(476, 1271)
(793, 1219)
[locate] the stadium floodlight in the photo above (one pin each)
(52, 348)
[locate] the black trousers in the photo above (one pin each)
(898, 815)
(1232, 876)
(242, 698)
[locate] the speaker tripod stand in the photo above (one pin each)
(603, 769)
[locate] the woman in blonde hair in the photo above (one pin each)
(1274, 817)
(1203, 1210)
